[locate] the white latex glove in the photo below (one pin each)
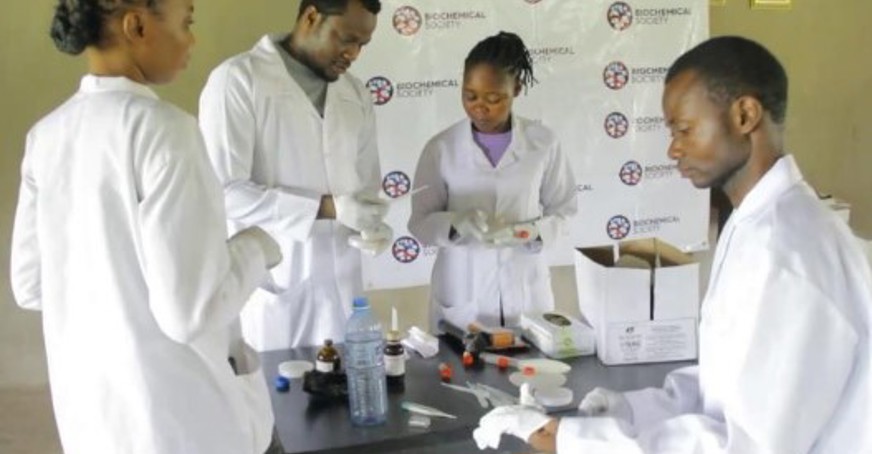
(470, 224)
(513, 235)
(360, 211)
(604, 402)
(373, 241)
(267, 244)
(521, 421)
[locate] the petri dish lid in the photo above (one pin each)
(538, 380)
(553, 397)
(545, 365)
(295, 369)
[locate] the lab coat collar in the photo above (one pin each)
(96, 84)
(783, 175)
(269, 50)
(517, 147)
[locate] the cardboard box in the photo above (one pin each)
(645, 314)
(558, 335)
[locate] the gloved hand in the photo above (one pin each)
(373, 241)
(360, 211)
(470, 224)
(604, 402)
(266, 242)
(513, 234)
(521, 421)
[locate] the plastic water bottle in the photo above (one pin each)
(365, 366)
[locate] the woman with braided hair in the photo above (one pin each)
(120, 242)
(500, 190)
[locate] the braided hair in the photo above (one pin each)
(507, 52)
(78, 24)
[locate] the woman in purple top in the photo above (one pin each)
(499, 190)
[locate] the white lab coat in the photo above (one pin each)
(276, 157)
(533, 180)
(120, 241)
(784, 343)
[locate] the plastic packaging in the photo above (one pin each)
(419, 421)
(422, 342)
(327, 360)
(365, 367)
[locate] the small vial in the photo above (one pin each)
(395, 358)
(327, 360)
(468, 359)
(445, 372)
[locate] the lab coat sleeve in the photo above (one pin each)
(197, 280)
(430, 221)
(680, 394)
(227, 118)
(788, 389)
(25, 263)
(558, 197)
(368, 164)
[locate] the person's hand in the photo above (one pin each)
(361, 211)
(267, 244)
(470, 224)
(513, 235)
(522, 421)
(604, 402)
(373, 241)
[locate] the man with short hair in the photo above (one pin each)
(784, 333)
(292, 138)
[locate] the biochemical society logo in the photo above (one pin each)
(621, 15)
(551, 54)
(632, 172)
(383, 90)
(619, 226)
(617, 75)
(617, 125)
(408, 21)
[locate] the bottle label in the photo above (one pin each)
(323, 366)
(395, 366)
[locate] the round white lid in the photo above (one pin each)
(538, 380)
(295, 369)
(553, 397)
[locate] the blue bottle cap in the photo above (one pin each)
(282, 384)
(361, 302)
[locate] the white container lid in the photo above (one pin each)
(295, 369)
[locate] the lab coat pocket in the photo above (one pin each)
(255, 396)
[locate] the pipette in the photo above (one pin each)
(425, 410)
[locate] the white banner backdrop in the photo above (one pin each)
(600, 66)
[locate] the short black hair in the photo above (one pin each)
(732, 66)
(78, 24)
(337, 7)
(507, 52)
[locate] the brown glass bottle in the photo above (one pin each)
(327, 360)
(395, 358)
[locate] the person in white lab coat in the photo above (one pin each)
(292, 138)
(784, 335)
(120, 240)
(498, 189)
